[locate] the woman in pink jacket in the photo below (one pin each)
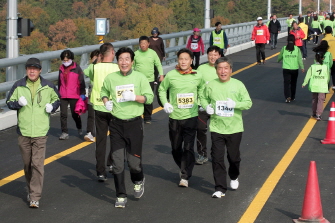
(298, 34)
(71, 87)
(196, 45)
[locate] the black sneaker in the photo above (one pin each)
(102, 178)
(139, 188)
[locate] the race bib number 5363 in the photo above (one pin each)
(120, 89)
(221, 109)
(185, 100)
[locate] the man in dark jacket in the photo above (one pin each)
(308, 21)
(274, 29)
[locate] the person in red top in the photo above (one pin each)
(196, 45)
(71, 86)
(261, 36)
(299, 34)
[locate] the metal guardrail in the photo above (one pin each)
(236, 33)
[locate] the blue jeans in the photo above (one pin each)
(274, 37)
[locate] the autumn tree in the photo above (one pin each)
(62, 33)
(37, 42)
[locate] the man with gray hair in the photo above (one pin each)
(224, 99)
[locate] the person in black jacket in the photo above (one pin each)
(274, 29)
(308, 21)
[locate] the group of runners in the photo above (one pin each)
(121, 95)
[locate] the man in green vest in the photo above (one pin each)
(289, 23)
(219, 38)
(102, 116)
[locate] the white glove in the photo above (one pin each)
(23, 101)
(201, 109)
(168, 108)
(48, 107)
(209, 110)
(128, 95)
(109, 105)
(315, 33)
(231, 103)
(267, 42)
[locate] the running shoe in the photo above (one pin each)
(80, 132)
(318, 118)
(234, 184)
(200, 160)
(218, 194)
(88, 137)
(120, 202)
(288, 100)
(110, 169)
(34, 204)
(102, 178)
(183, 183)
(64, 136)
(139, 188)
(147, 122)
(205, 159)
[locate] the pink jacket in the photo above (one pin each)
(195, 44)
(260, 34)
(72, 84)
(299, 35)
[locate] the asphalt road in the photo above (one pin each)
(73, 194)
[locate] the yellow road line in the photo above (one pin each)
(266, 190)
(83, 144)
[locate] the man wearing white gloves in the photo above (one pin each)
(261, 36)
(124, 93)
(34, 98)
(224, 99)
(184, 86)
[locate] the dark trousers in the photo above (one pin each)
(274, 38)
(290, 83)
(127, 138)
(33, 155)
(64, 102)
(288, 30)
(202, 133)
(332, 73)
(219, 144)
(182, 135)
(260, 51)
(90, 119)
(196, 60)
(148, 108)
(102, 124)
(315, 37)
(303, 49)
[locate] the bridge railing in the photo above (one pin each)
(237, 34)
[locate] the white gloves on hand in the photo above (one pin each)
(109, 105)
(315, 33)
(201, 109)
(168, 108)
(128, 96)
(48, 108)
(22, 101)
(267, 42)
(209, 110)
(231, 103)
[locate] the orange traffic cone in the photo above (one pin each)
(312, 208)
(330, 134)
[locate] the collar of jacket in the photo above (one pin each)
(23, 81)
(72, 66)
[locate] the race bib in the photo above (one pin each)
(194, 46)
(120, 89)
(185, 100)
(222, 110)
(260, 32)
(217, 40)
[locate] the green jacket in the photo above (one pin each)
(291, 60)
(145, 63)
(33, 120)
(326, 23)
(183, 93)
(224, 120)
(316, 25)
(289, 22)
(208, 72)
(318, 78)
(113, 86)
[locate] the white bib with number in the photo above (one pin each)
(221, 109)
(121, 88)
(185, 100)
(260, 32)
(217, 40)
(194, 46)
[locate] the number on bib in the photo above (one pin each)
(185, 100)
(120, 89)
(217, 40)
(194, 46)
(260, 32)
(221, 109)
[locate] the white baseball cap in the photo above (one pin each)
(259, 18)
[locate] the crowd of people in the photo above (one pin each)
(120, 99)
